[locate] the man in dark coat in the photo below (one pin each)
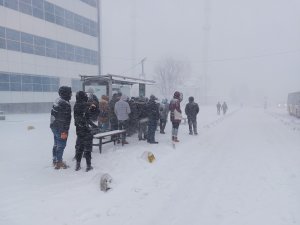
(60, 124)
(133, 117)
(191, 110)
(153, 116)
(224, 108)
(84, 125)
(142, 119)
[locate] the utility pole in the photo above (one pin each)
(133, 35)
(143, 75)
(206, 37)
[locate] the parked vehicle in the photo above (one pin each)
(293, 104)
(2, 115)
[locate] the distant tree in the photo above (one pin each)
(170, 75)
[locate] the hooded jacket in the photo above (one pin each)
(191, 109)
(82, 114)
(122, 109)
(61, 110)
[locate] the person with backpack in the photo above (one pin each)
(60, 123)
(84, 125)
(191, 110)
(175, 114)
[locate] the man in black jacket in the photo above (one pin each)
(142, 119)
(60, 123)
(84, 126)
(191, 110)
(153, 115)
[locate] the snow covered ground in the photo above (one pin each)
(242, 169)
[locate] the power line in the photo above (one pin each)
(240, 58)
(131, 68)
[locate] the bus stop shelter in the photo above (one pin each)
(110, 83)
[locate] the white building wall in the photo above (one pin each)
(18, 62)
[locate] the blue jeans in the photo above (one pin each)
(104, 126)
(58, 147)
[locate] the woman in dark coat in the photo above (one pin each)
(175, 114)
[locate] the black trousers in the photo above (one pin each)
(152, 124)
(84, 145)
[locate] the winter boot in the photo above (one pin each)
(88, 168)
(173, 138)
(176, 139)
(77, 166)
(61, 165)
(88, 161)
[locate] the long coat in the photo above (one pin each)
(174, 105)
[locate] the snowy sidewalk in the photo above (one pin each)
(242, 169)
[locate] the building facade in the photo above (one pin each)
(45, 44)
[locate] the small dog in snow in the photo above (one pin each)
(105, 182)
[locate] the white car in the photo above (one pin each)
(2, 115)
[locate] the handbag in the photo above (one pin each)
(177, 115)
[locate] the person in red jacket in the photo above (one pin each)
(175, 114)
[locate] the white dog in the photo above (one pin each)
(105, 182)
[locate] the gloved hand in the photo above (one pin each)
(64, 135)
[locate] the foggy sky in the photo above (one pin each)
(253, 45)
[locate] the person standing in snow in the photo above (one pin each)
(133, 117)
(191, 110)
(163, 115)
(103, 119)
(122, 111)
(219, 108)
(60, 123)
(153, 115)
(143, 119)
(84, 125)
(224, 108)
(112, 116)
(93, 100)
(175, 114)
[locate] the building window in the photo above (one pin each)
(28, 43)
(25, 6)
(54, 14)
(28, 82)
(4, 81)
(90, 2)
(12, 4)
